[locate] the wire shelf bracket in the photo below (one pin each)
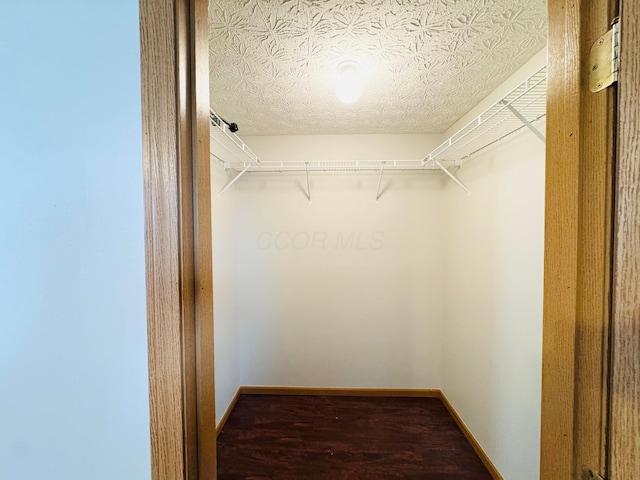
(308, 185)
(527, 123)
(378, 194)
(453, 177)
(235, 179)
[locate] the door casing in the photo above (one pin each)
(177, 192)
(578, 214)
(624, 420)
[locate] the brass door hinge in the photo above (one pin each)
(604, 59)
(588, 474)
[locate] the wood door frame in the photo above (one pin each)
(578, 226)
(624, 449)
(174, 71)
(177, 192)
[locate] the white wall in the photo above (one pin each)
(73, 357)
(225, 258)
(492, 341)
(340, 292)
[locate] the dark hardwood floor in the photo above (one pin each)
(339, 438)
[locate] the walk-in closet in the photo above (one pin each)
(378, 209)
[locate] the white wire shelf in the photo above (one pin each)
(234, 154)
(521, 108)
(345, 166)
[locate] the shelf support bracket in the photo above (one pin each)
(380, 181)
(235, 179)
(308, 183)
(526, 122)
(453, 177)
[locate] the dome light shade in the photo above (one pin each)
(349, 82)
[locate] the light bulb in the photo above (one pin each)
(349, 82)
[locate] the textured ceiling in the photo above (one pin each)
(425, 62)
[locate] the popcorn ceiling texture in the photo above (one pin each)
(425, 62)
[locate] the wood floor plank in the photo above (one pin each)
(328, 437)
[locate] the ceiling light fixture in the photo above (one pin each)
(349, 82)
